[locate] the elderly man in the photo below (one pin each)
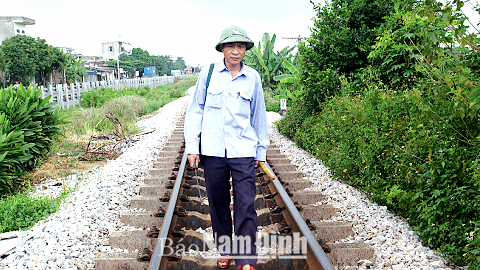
(229, 120)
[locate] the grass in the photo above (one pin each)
(20, 211)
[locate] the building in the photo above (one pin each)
(111, 50)
(13, 25)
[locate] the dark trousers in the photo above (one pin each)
(217, 175)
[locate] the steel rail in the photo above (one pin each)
(158, 253)
(316, 249)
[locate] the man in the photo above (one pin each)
(229, 120)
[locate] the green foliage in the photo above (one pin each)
(23, 210)
(310, 101)
(398, 47)
(403, 123)
(126, 104)
(139, 59)
(20, 54)
(24, 56)
(404, 152)
(272, 104)
(29, 123)
(293, 79)
(179, 64)
(12, 154)
(127, 108)
(267, 62)
(75, 71)
(49, 58)
(343, 34)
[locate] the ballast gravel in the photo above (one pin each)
(70, 238)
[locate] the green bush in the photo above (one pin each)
(166, 93)
(12, 154)
(408, 152)
(37, 121)
(127, 108)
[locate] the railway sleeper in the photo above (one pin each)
(307, 197)
(296, 184)
(141, 219)
(117, 260)
(349, 253)
(147, 203)
(318, 212)
(164, 163)
(158, 180)
(132, 240)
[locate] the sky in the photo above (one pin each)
(180, 28)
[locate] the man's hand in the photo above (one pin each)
(257, 163)
(193, 160)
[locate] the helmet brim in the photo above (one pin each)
(235, 39)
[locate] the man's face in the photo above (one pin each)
(234, 52)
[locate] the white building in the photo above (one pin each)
(111, 50)
(13, 25)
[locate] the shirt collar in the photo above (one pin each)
(243, 71)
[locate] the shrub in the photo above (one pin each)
(36, 120)
(128, 108)
(12, 154)
(407, 151)
(83, 120)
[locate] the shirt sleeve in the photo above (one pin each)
(194, 116)
(259, 120)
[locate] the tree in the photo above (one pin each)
(292, 78)
(139, 59)
(24, 56)
(266, 61)
(161, 65)
(179, 64)
(20, 59)
(340, 41)
(75, 71)
(168, 61)
(49, 58)
(2, 67)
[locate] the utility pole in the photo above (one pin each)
(298, 39)
(118, 56)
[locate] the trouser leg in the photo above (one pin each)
(244, 214)
(217, 181)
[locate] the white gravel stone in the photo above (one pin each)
(70, 238)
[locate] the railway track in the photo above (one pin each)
(175, 228)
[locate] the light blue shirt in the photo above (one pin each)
(232, 118)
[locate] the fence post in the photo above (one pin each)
(66, 95)
(71, 95)
(50, 90)
(60, 95)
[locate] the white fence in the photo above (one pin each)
(67, 95)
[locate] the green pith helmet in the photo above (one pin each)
(234, 34)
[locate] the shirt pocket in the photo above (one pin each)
(244, 103)
(214, 97)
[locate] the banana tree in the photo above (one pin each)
(267, 62)
(292, 78)
(75, 71)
